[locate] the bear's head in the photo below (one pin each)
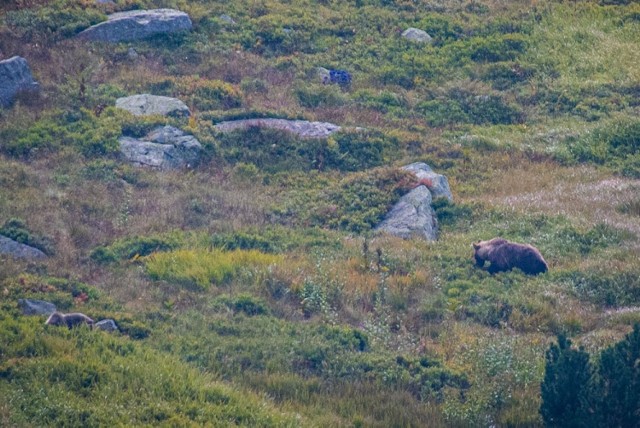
(481, 249)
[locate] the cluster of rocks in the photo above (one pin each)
(164, 148)
(31, 307)
(413, 215)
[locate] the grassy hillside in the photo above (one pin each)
(250, 290)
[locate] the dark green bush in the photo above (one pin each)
(604, 287)
(442, 28)
(383, 101)
(79, 129)
(274, 239)
(133, 328)
(274, 150)
(461, 106)
(616, 144)
(245, 303)
(128, 248)
(51, 23)
(361, 200)
(109, 171)
(504, 75)
(494, 48)
(316, 95)
(359, 150)
(449, 213)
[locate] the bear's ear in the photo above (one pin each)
(476, 246)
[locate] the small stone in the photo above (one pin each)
(416, 35)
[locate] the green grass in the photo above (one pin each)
(204, 268)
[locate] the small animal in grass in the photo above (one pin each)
(70, 320)
(504, 255)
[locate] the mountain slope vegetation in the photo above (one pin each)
(251, 289)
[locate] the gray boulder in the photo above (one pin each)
(137, 24)
(412, 216)
(36, 307)
(107, 325)
(301, 128)
(15, 76)
(416, 35)
(164, 148)
(18, 250)
(439, 183)
(145, 104)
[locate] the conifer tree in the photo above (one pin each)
(566, 387)
(619, 382)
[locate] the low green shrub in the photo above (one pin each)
(317, 95)
(505, 75)
(55, 376)
(450, 214)
(383, 101)
(140, 246)
(273, 150)
(245, 303)
(460, 106)
(58, 20)
(616, 144)
(360, 201)
(274, 239)
(109, 171)
(604, 287)
(203, 94)
(79, 129)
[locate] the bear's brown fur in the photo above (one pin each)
(504, 255)
(70, 320)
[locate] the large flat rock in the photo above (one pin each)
(164, 148)
(146, 104)
(18, 250)
(15, 76)
(301, 128)
(137, 24)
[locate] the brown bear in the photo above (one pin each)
(70, 320)
(505, 255)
